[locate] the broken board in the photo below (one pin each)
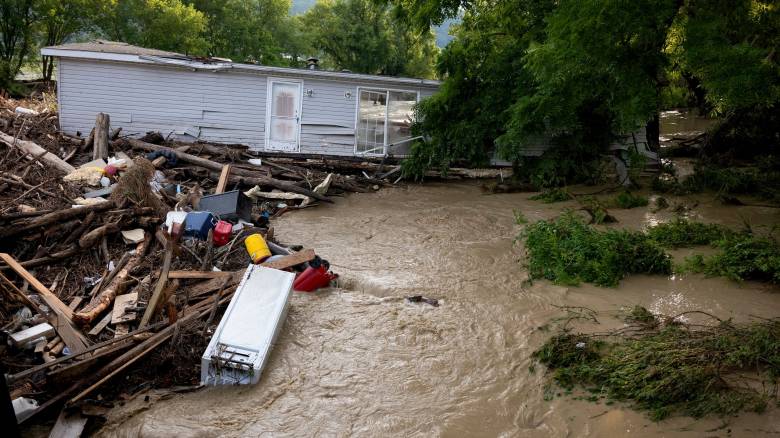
(119, 314)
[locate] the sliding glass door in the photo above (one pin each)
(384, 120)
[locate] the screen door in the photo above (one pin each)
(284, 117)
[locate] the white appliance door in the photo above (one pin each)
(284, 119)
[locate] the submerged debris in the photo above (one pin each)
(665, 366)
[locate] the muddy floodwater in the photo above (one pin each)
(358, 360)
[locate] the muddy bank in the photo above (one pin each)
(358, 360)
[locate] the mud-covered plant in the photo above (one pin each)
(741, 257)
(567, 251)
(551, 196)
(629, 200)
(694, 370)
(682, 233)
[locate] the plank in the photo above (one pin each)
(223, 179)
(62, 314)
(101, 325)
(154, 301)
(121, 303)
(51, 300)
(68, 425)
(198, 274)
(75, 302)
(293, 259)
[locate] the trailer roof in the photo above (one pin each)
(123, 52)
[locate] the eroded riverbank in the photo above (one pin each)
(359, 360)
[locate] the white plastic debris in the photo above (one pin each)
(22, 406)
(255, 161)
(26, 111)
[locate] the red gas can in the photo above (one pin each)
(314, 278)
(222, 233)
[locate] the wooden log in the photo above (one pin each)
(102, 123)
(90, 141)
(237, 175)
(154, 301)
(37, 151)
(93, 237)
(102, 301)
(59, 216)
(223, 179)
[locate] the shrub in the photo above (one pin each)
(552, 195)
(682, 233)
(665, 369)
(629, 200)
(567, 251)
(742, 257)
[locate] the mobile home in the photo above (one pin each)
(272, 109)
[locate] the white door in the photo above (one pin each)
(284, 116)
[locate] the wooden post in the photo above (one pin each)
(223, 179)
(102, 123)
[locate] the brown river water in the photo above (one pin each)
(358, 360)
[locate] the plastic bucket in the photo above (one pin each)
(257, 248)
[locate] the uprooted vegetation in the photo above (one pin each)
(664, 366)
(568, 251)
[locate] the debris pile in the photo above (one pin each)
(123, 263)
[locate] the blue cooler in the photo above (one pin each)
(198, 223)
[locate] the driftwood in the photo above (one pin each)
(37, 151)
(55, 217)
(100, 149)
(122, 362)
(237, 175)
(93, 237)
(102, 301)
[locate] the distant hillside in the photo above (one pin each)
(442, 37)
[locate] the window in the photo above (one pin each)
(384, 119)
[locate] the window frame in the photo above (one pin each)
(387, 92)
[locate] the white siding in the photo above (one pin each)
(226, 106)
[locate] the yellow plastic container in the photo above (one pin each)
(257, 248)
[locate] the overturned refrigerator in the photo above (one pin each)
(242, 342)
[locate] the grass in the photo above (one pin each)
(665, 367)
(551, 196)
(567, 251)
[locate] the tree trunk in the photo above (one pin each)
(102, 123)
(653, 132)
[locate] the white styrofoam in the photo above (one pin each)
(242, 342)
(43, 330)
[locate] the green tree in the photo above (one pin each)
(60, 20)
(160, 24)
(583, 71)
(365, 37)
(248, 31)
(17, 18)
